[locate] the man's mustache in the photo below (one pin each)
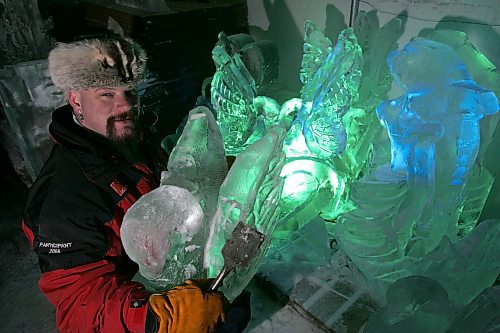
(123, 116)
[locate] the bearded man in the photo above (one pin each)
(97, 169)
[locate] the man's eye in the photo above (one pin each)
(107, 94)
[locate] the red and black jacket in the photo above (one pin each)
(73, 217)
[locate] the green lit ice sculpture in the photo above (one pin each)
(244, 69)
(318, 164)
(250, 193)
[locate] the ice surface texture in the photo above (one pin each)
(158, 233)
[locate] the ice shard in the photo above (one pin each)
(197, 162)
(250, 193)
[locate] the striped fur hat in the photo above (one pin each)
(93, 63)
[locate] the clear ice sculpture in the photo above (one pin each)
(244, 69)
(437, 119)
(318, 162)
(467, 266)
(166, 230)
(163, 232)
(331, 78)
(250, 193)
(28, 97)
(403, 212)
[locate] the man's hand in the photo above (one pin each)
(188, 309)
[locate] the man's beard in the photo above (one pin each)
(128, 144)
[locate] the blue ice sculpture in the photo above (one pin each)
(437, 116)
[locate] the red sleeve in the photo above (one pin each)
(94, 298)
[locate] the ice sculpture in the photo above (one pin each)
(375, 234)
(28, 97)
(315, 175)
(439, 114)
(331, 77)
(484, 73)
(244, 68)
(165, 231)
(250, 193)
(436, 120)
(197, 162)
(403, 213)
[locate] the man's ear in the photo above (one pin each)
(74, 99)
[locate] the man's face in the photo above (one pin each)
(107, 111)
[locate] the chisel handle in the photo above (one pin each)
(218, 280)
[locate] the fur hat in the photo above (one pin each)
(96, 63)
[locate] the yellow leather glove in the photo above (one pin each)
(187, 309)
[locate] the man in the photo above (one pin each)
(95, 172)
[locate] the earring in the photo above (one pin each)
(79, 116)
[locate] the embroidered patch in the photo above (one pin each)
(118, 187)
